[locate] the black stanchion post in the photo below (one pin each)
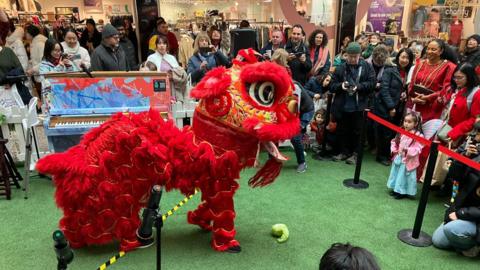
(151, 215)
(356, 182)
(416, 237)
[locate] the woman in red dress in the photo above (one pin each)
(429, 86)
(434, 74)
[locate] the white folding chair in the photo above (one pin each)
(28, 124)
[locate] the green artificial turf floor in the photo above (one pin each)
(316, 207)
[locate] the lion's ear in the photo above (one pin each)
(214, 83)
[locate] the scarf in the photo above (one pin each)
(69, 50)
(321, 60)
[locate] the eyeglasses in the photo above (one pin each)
(458, 78)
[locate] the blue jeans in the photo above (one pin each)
(296, 141)
(458, 234)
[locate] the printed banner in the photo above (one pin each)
(380, 11)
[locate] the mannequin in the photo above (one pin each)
(432, 26)
(456, 28)
(420, 16)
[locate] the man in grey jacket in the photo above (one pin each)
(109, 56)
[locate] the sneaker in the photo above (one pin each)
(471, 253)
(352, 160)
(302, 168)
(339, 157)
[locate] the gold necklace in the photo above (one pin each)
(425, 82)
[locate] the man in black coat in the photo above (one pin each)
(352, 83)
(387, 96)
(126, 44)
(299, 56)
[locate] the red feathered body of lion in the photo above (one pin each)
(103, 182)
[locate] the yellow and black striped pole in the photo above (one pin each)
(164, 217)
(111, 261)
(176, 207)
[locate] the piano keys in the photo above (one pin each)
(77, 103)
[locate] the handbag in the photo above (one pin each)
(440, 171)
(442, 133)
(420, 89)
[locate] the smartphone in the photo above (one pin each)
(64, 56)
(298, 54)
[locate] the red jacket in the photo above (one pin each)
(461, 119)
(319, 131)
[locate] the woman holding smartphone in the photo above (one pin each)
(205, 57)
(54, 60)
(76, 53)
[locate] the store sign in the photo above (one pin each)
(380, 11)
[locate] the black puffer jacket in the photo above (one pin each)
(472, 57)
(467, 202)
(389, 95)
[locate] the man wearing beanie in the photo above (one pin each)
(352, 83)
(472, 51)
(109, 56)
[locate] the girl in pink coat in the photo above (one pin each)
(405, 151)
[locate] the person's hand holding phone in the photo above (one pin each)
(302, 58)
(65, 60)
(471, 150)
(291, 56)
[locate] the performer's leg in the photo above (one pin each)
(202, 216)
(222, 207)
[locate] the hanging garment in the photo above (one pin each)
(419, 18)
(185, 50)
(455, 33)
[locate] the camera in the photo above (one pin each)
(350, 88)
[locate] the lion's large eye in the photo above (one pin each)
(263, 93)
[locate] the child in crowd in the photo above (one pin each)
(347, 257)
(403, 175)
(317, 87)
(318, 125)
(148, 66)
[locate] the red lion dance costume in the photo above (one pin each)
(102, 183)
